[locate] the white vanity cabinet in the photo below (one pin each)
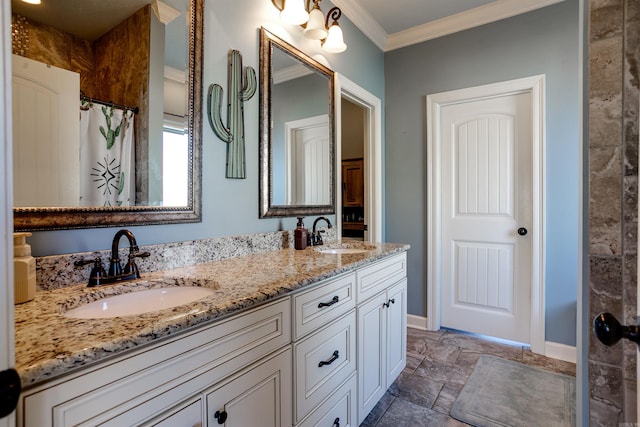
(382, 327)
(321, 356)
(180, 373)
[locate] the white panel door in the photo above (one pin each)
(307, 161)
(486, 201)
(46, 159)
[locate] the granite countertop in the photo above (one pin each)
(49, 344)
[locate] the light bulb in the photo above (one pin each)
(294, 12)
(334, 43)
(315, 26)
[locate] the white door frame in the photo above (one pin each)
(535, 86)
(7, 356)
(372, 155)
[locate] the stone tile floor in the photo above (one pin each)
(438, 365)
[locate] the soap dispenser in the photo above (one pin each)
(24, 269)
(300, 235)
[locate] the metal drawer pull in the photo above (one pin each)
(330, 361)
(334, 300)
(388, 303)
(336, 422)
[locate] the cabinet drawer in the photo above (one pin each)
(322, 304)
(133, 388)
(187, 415)
(322, 362)
(339, 409)
(379, 276)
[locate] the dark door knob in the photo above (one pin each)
(609, 330)
(9, 391)
(522, 231)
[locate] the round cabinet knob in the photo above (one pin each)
(220, 416)
(522, 231)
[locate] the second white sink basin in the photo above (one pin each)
(139, 302)
(343, 251)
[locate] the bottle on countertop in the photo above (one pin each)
(300, 235)
(24, 269)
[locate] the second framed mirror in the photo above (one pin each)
(297, 132)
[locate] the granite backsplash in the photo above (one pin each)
(58, 271)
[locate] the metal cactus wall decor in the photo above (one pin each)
(241, 87)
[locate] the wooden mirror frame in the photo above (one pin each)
(267, 209)
(55, 218)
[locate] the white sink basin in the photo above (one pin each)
(139, 302)
(342, 251)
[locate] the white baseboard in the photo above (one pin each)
(559, 351)
(417, 322)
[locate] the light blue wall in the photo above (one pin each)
(544, 41)
(230, 207)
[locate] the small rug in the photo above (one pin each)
(502, 393)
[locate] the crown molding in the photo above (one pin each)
(171, 73)
(491, 12)
(290, 73)
(364, 21)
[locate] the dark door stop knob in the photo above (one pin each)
(609, 330)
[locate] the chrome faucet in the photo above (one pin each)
(315, 238)
(98, 276)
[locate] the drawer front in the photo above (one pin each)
(139, 386)
(322, 362)
(322, 305)
(339, 409)
(379, 276)
(189, 415)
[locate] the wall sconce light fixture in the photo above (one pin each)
(316, 27)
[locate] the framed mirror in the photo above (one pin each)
(297, 132)
(138, 64)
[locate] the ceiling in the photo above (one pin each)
(392, 24)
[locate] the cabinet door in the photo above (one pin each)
(372, 331)
(396, 314)
(260, 396)
(353, 179)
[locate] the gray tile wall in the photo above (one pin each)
(614, 55)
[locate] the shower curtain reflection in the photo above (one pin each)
(107, 159)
